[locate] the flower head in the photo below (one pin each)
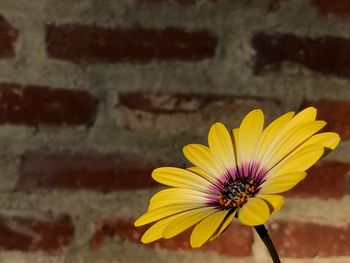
(238, 176)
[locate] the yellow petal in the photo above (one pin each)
(291, 141)
(220, 144)
(177, 177)
(155, 232)
(249, 134)
(203, 174)
(299, 161)
(329, 140)
(206, 228)
(275, 202)
(227, 221)
(270, 133)
(164, 211)
(177, 196)
(202, 157)
(304, 116)
(281, 183)
(186, 220)
(254, 212)
(235, 133)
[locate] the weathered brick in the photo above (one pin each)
(177, 2)
(190, 114)
(236, 241)
(308, 240)
(86, 170)
(326, 179)
(327, 55)
(335, 113)
(39, 105)
(8, 39)
(275, 5)
(46, 233)
(339, 8)
(79, 43)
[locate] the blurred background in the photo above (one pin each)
(95, 94)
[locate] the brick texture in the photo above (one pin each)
(177, 2)
(38, 105)
(236, 241)
(324, 180)
(47, 234)
(339, 8)
(8, 39)
(308, 240)
(337, 118)
(275, 5)
(186, 114)
(92, 44)
(89, 171)
(326, 55)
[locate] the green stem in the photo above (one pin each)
(262, 232)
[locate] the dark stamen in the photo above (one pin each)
(236, 192)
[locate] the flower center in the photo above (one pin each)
(235, 193)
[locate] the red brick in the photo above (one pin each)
(86, 170)
(39, 105)
(339, 8)
(46, 233)
(326, 179)
(308, 240)
(236, 241)
(335, 113)
(8, 39)
(93, 44)
(327, 55)
(187, 114)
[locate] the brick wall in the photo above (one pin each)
(95, 94)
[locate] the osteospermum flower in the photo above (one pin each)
(240, 175)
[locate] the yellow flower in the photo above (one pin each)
(236, 176)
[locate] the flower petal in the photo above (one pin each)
(299, 161)
(270, 133)
(176, 196)
(177, 177)
(291, 141)
(235, 133)
(329, 140)
(165, 211)
(186, 220)
(275, 202)
(306, 115)
(227, 221)
(202, 157)
(206, 228)
(249, 134)
(220, 144)
(281, 183)
(254, 212)
(155, 232)
(202, 174)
